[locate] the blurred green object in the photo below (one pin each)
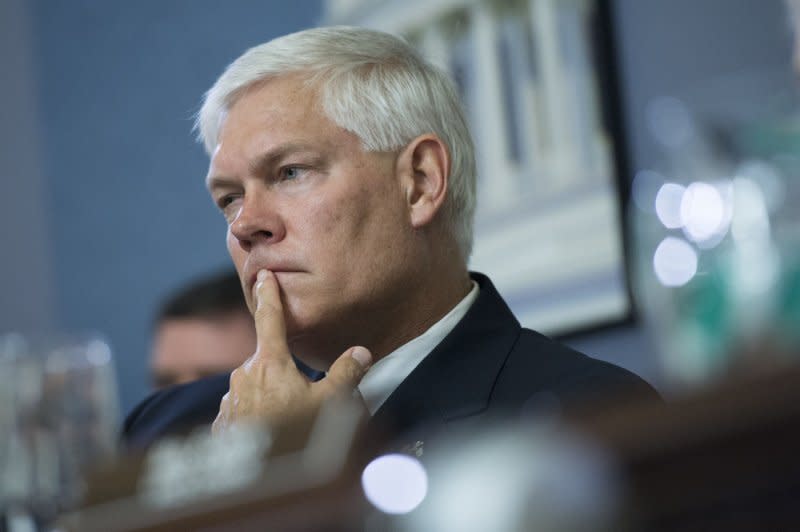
(769, 138)
(716, 245)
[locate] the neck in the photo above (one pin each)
(420, 309)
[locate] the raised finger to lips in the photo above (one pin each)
(270, 325)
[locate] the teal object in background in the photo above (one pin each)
(717, 231)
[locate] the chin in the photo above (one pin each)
(311, 328)
(299, 324)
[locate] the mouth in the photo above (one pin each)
(278, 272)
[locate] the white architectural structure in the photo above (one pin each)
(547, 227)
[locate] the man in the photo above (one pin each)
(204, 329)
(342, 163)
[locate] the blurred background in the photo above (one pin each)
(106, 210)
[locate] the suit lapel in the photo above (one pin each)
(456, 379)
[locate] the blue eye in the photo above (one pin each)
(289, 173)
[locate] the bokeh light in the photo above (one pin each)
(395, 483)
(675, 261)
(702, 211)
(668, 204)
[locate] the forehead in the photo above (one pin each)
(275, 112)
(287, 97)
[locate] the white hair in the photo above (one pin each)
(372, 84)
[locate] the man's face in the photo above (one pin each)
(303, 200)
(187, 349)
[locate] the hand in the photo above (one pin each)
(268, 386)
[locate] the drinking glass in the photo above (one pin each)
(59, 416)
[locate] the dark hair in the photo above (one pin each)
(209, 297)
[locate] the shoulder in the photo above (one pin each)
(174, 410)
(538, 366)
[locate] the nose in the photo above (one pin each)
(257, 222)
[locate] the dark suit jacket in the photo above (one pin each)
(487, 365)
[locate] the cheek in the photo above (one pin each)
(332, 235)
(238, 256)
(349, 224)
(332, 222)
(234, 249)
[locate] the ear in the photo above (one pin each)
(424, 170)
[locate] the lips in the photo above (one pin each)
(276, 269)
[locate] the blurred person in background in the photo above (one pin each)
(203, 329)
(343, 165)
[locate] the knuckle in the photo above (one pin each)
(345, 378)
(237, 376)
(248, 364)
(223, 404)
(351, 372)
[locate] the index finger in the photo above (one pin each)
(270, 325)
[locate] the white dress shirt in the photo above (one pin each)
(386, 374)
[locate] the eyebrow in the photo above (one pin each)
(219, 182)
(261, 162)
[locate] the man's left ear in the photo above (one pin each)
(424, 166)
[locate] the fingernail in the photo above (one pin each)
(361, 355)
(262, 274)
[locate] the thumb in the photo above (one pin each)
(348, 370)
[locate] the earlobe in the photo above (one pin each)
(426, 168)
